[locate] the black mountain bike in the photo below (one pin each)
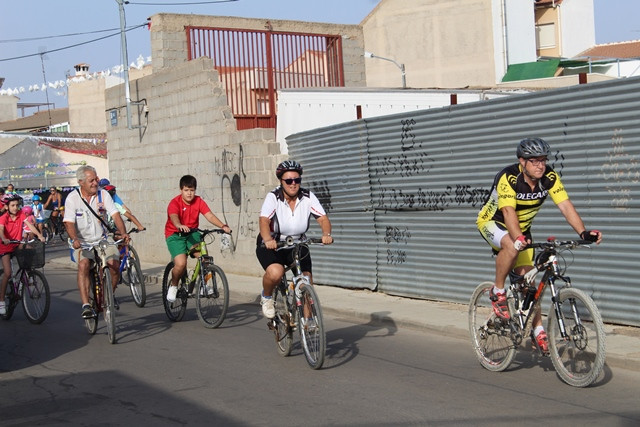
(298, 308)
(575, 328)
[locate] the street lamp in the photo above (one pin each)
(401, 66)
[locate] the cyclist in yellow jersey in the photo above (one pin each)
(504, 221)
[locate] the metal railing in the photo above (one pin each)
(254, 64)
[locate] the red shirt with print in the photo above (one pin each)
(187, 213)
(12, 230)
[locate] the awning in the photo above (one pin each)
(531, 70)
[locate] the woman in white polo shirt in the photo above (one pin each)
(286, 212)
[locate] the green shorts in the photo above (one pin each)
(179, 244)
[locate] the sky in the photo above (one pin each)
(30, 27)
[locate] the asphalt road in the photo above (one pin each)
(164, 373)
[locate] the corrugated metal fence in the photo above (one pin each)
(403, 192)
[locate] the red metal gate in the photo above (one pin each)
(254, 64)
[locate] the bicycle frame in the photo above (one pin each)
(519, 287)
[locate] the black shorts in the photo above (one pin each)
(284, 257)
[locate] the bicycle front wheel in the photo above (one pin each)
(311, 327)
(11, 300)
(490, 337)
(283, 320)
(108, 306)
(36, 297)
(136, 279)
(92, 322)
(212, 297)
(174, 310)
(578, 358)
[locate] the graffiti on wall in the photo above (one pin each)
(412, 160)
(620, 172)
(323, 193)
(230, 168)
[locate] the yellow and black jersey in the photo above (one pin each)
(510, 189)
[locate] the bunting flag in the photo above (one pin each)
(94, 141)
(140, 62)
(45, 165)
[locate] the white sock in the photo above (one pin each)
(497, 290)
(537, 330)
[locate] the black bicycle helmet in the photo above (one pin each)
(532, 147)
(288, 165)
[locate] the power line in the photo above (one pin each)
(71, 46)
(59, 36)
(179, 4)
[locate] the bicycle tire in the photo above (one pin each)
(108, 305)
(491, 340)
(284, 319)
(9, 300)
(579, 360)
(212, 297)
(314, 341)
(36, 297)
(136, 279)
(46, 234)
(92, 323)
(175, 310)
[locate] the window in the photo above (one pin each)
(546, 36)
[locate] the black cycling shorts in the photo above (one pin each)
(266, 257)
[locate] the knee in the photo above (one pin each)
(274, 272)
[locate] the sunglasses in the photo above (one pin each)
(290, 181)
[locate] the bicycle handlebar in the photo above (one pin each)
(85, 245)
(290, 241)
(554, 244)
(24, 241)
(204, 231)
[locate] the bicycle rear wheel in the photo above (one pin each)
(579, 359)
(490, 337)
(36, 297)
(283, 320)
(136, 279)
(46, 233)
(108, 306)
(212, 297)
(174, 310)
(311, 329)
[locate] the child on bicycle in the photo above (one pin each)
(11, 226)
(183, 215)
(31, 219)
(38, 212)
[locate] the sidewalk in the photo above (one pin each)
(623, 342)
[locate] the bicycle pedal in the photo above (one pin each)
(271, 324)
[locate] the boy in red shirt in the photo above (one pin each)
(183, 215)
(11, 229)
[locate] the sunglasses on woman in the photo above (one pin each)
(290, 181)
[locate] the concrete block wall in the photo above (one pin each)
(190, 130)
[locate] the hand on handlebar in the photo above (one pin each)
(271, 244)
(327, 239)
(591, 236)
(521, 242)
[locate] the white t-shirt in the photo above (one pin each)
(285, 221)
(89, 228)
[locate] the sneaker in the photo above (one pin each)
(268, 307)
(499, 303)
(543, 342)
(87, 312)
(210, 290)
(171, 293)
(3, 308)
(116, 304)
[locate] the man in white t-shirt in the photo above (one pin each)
(83, 225)
(285, 212)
